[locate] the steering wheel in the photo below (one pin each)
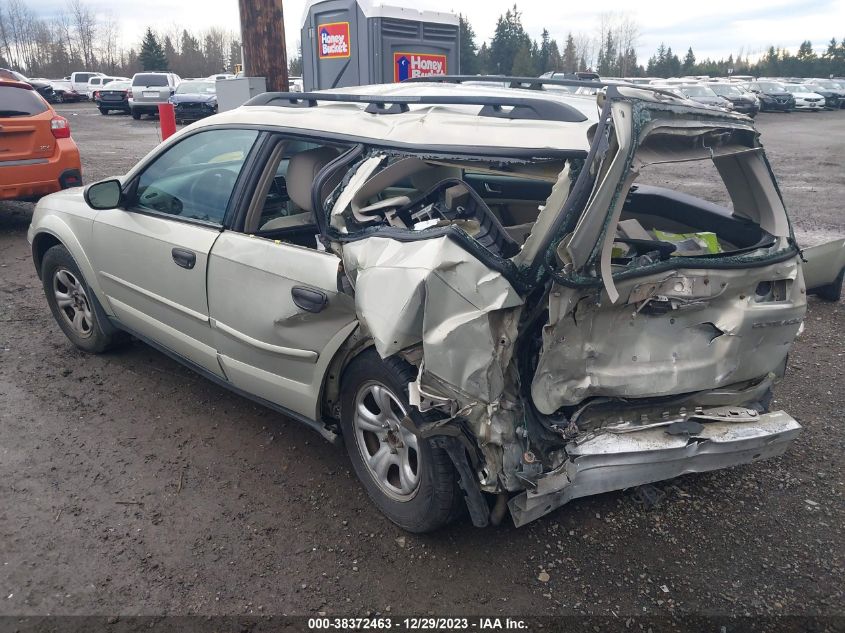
(213, 188)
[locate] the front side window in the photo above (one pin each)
(194, 179)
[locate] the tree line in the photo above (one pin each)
(611, 52)
(78, 39)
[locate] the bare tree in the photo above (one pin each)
(109, 33)
(84, 22)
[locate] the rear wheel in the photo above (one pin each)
(136, 115)
(103, 110)
(73, 304)
(411, 481)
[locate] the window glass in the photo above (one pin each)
(195, 178)
(16, 101)
(150, 80)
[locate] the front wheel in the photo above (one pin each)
(73, 304)
(411, 481)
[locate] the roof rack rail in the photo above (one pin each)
(530, 83)
(518, 107)
(537, 83)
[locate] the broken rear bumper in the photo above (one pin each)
(606, 461)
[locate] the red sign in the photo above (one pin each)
(333, 40)
(409, 65)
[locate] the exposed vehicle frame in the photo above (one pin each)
(535, 369)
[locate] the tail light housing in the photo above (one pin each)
(96, 94)
(60, 127)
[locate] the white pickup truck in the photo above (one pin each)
(79, 81)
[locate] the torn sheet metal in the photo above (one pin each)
(605, 461)
(435, 293)
(671, 334)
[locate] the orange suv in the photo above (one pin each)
(37, 154)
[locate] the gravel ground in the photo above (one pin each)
(129, 485)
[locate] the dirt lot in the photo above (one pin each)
(130, 485)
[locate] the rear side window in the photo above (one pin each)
(20, 102)
(150, 80)
(84, 77)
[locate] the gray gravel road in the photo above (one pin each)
(130, 485)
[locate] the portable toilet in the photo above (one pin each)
(359, 42)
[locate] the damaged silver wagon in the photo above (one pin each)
(472, 285)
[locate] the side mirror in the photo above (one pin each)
(106, 194)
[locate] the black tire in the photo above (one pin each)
(60, 97)
(437, 498)
(101, 335)
(136, 115)
(103, 111)
(831, 291)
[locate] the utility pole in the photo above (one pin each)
(263, 39)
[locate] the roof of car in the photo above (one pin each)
(448, 125)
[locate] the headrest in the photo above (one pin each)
(303, 169)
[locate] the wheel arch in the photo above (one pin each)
(52, 231)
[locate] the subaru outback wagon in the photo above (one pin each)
(483, 291)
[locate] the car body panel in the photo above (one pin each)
(159, 299)
(823, 263)
(270, 346)
(33, 162)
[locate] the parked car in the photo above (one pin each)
(95, 83)
(742, 101)
(149, 89)
(463, 283)
(79, 81)
(41, 86)
(772, 95)
(114, 96)
(37, 154)
(804, 98)
(194, 99)
(220, 77)
(833, 99)
(704, 94)
(64, 91)
(837, 87)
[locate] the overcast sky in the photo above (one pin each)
(714, 28)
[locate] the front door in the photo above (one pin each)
(152, 256)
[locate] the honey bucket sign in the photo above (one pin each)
(410, 65)
(333, 40)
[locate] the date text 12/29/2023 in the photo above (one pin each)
(381, 623)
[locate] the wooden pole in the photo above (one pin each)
(263, 38)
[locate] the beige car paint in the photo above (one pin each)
(147, 290)
(267, 345)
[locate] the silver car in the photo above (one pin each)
(149, 90)
(471, 286)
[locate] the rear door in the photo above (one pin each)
(152, 256)
(275, 306)
(25, 134)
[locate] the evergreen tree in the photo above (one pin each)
(569, 62)
(170, 53)
(607, 57)
(523, 63)
(467, 54)
(689, 61)
(152, 54)
(510, 37)
(484, 63)
(543, 58)
(554, 62)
